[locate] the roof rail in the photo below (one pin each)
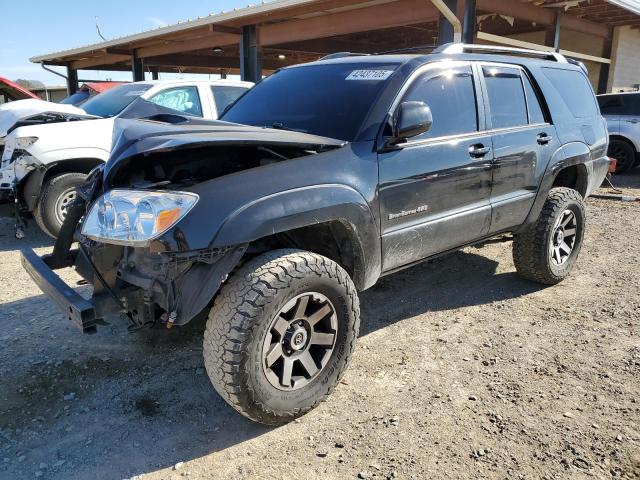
(342, 55)
(456, 48)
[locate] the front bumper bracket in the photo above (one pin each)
(80, 311)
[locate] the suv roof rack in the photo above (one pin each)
(457, 48)
(342, 55)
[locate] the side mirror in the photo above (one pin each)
(412, 119)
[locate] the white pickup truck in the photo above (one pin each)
(43, 164)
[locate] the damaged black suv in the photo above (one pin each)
(317, 182)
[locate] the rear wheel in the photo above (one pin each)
(624, 154)
(55, 197)
(280, 334)
(546, 250)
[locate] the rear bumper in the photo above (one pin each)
(80, 311)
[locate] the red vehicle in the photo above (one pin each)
(10, 91)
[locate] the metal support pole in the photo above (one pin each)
(603, 80)
(449, 27)
(72, 80)
(469, 23)
(137, 67)
(250, 55)
(556, 32)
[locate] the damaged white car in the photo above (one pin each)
(42, 164)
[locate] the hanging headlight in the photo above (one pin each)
(134, 217)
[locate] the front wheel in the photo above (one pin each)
(546, 250)
(56, 196)
(280, 334)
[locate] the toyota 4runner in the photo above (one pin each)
(317, 182)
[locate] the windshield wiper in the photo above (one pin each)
(282, 126)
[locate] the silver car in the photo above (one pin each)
(622, 111)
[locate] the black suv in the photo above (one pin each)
(318, 181)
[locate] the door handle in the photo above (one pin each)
(543, 138)
(478, 150)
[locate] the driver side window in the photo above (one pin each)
(181, 99)
(450, 93)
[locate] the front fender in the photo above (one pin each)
(301, 207)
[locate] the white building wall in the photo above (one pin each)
(625, 68)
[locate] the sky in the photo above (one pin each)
(39, 27)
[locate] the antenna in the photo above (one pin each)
(98, 30)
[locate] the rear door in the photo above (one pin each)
(225, 95)
(435, 188)
(523, 141)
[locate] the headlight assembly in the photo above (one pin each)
(134, 217)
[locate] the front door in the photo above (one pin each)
(435, 188)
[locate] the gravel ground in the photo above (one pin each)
(462, 370)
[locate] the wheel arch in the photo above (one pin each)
(569, 167)
(33, 183)
(622, 138)
(332, 220)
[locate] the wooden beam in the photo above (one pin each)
(119, 51)
(372, 18)
(584, 26)
(88, 63)
(208, 61)
(524, 11)
(210, 41)
(512, 42)
(540, 15)
(225, 29)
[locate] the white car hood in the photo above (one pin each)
(79, 134)
(13, 112)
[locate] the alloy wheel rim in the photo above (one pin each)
(620, 155)
(563, 237)
(63, 202)
(299, 342)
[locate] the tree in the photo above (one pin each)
(30, 84)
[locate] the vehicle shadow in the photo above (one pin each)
(461, 279)
(142, 401)
(34, 238)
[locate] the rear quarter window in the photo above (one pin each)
(575, 90)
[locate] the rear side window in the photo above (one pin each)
(628, 104)
(575, 90)
(225, 96)
(451, 96)
(533, 103)
(506, 97)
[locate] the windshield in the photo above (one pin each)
(76, 99)
(330, 100)
(113, 101)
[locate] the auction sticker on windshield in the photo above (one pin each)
(369, 75)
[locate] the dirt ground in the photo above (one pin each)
(462, 370)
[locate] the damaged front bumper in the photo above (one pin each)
(148, 287)
(84, 313)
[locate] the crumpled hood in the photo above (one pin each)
(137, 136)
(14, 112)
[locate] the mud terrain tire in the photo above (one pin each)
(246, 318)
(538, 251)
